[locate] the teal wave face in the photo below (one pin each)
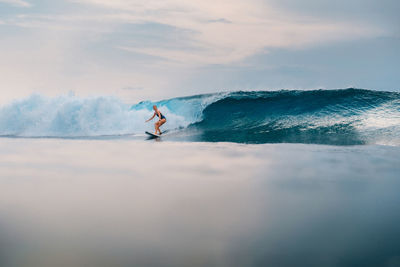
(336, 117)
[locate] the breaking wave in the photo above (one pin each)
(336, 117)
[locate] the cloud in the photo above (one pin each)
(248, 27)
(18, 3)
(221, 20)
(210, 33)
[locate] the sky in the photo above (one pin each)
(157, 49)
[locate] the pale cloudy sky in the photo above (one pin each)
(154, 49)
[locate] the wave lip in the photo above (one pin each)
(335, 117)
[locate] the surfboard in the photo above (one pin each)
(156, 135)
(153, 135)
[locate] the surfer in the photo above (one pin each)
(161, 119)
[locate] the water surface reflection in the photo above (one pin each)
(124, 203)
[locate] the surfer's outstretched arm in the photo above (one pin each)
(151, 117)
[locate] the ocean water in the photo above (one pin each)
(333, 117)
(286, 178)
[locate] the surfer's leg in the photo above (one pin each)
(161, 122)
(156, 127)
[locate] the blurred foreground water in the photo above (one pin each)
(144, 203)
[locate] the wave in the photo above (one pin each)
(336, 117)
(71, 116)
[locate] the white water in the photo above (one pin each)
(70, 116)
